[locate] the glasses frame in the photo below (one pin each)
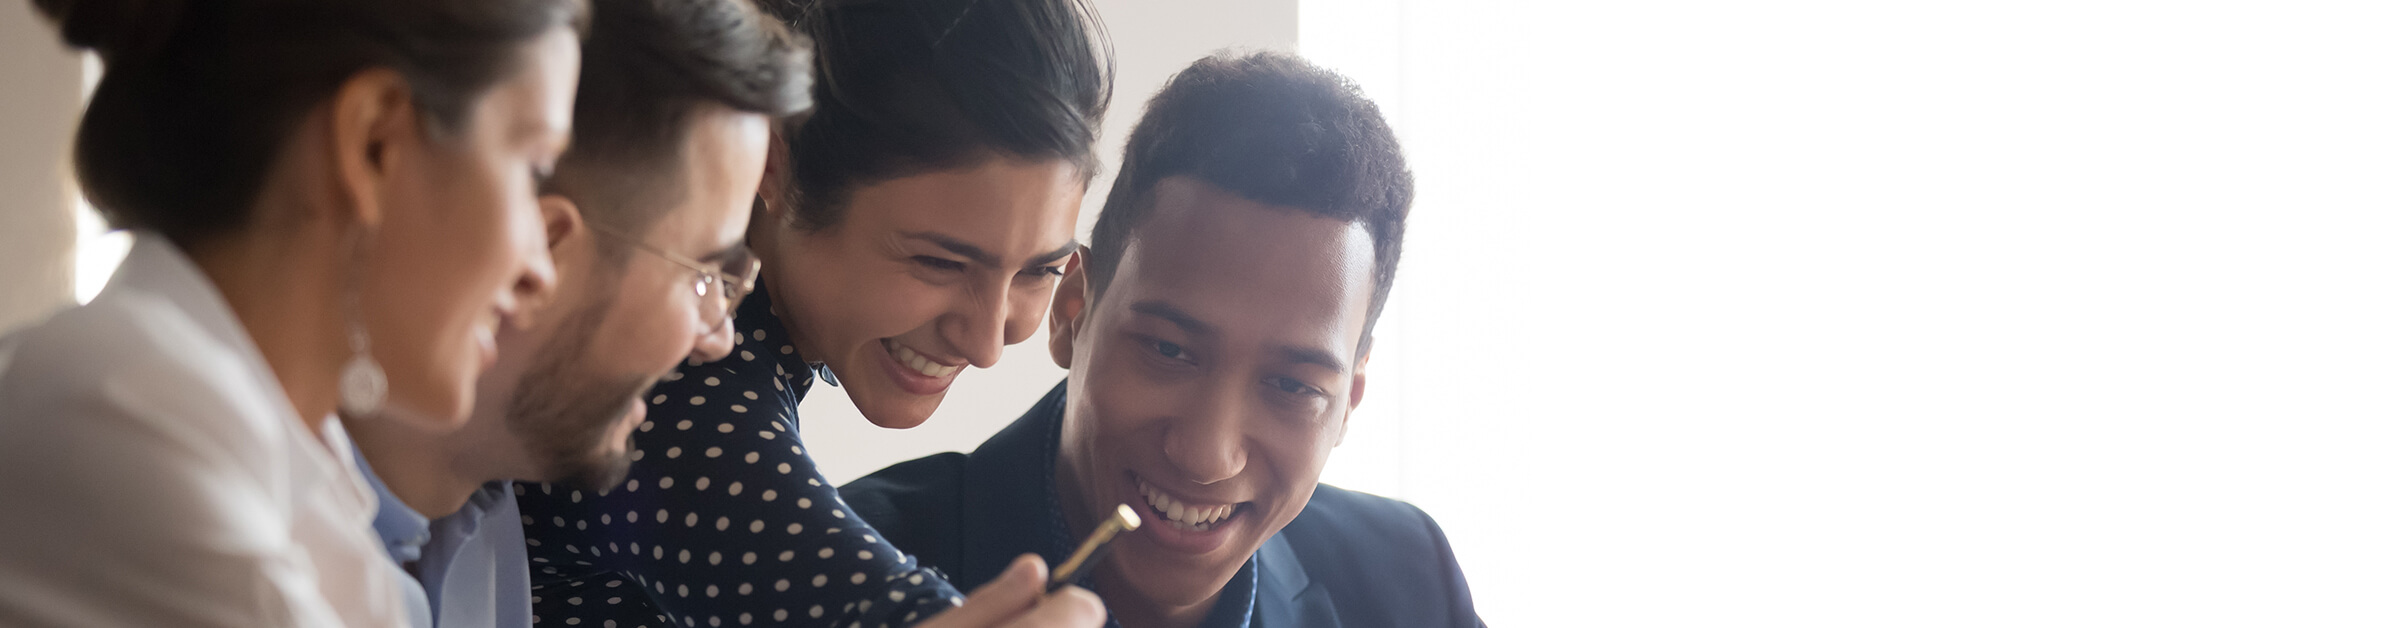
(733, 288)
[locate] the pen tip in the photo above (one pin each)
(1125, 515)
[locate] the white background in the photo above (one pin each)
(1894, 313)
(1835, 313)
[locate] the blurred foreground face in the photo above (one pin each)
(573, 382)
(461, 248)
(926, 275)
(1209, 384)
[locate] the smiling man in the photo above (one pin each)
(647, 213)
(1214, 334)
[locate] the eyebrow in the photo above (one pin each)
(731, 252)
(1174, 315)
(1295, 354)
(977, 255)
(1309, 355)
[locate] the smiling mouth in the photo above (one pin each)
(1181, 515)
(917, 362)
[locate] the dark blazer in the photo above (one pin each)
(1350, 559)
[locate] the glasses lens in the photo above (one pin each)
(712, 300)
(735, 288)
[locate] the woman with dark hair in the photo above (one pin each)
(333, 204)
(914, 224)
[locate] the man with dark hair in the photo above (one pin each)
(1214, 334)
(645, 216)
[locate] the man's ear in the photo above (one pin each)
(1068, 308)
(561, 219)
(1358, 392)
(374, 121)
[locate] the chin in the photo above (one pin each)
(898, 420)
(894, 414)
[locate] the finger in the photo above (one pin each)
(1069, 607)
(1004, 598)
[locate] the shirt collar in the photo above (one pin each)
(1011, 507)
(758, 329)
(404, 532)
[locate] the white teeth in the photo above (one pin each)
(917, 362)
(1183, 516)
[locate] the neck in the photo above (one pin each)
(790, 321)
(433, 473)
(283, 282)
(1134, 610)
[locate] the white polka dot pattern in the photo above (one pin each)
(738, 519)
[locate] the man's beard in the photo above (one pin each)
(562, 416)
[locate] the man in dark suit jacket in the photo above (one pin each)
(1214, 333)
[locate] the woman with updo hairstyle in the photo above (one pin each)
(914, 224)
(333, 209)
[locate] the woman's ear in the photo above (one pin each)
(769, 209)
(1068, 309)
(374, 122)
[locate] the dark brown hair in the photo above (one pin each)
(199, 95)
(1273, 129)
(646, 67)
(904, 87)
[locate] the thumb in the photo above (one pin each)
(998, 601)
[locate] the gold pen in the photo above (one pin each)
(1093, 548)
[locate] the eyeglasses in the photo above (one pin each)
(719, 291)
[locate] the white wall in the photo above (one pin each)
(40, 99)
(1894, 313)
(1154, 38)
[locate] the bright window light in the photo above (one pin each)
(1855, 313)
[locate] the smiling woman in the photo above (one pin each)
(333, 207)
(913, 225)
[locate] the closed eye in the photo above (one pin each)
(1043, 272)
(937, 263)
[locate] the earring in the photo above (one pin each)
(363, 386)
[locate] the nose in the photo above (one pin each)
(715, 343)
(983, 324)
(1207, 446)
(537, 274)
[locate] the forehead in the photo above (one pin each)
(715, 173)
(535, 99)
(1240, 265)
(1009, 207)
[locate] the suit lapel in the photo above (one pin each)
(1008, 505)
(1287, 597)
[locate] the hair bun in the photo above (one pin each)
(117, 29)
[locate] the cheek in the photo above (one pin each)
(652, 340)
(475, 219)
(1028, 310)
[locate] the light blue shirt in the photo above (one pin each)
(466, 574)
(404, 533)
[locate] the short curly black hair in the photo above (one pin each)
(1274, 129)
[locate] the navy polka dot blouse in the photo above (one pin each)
(723, 519)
